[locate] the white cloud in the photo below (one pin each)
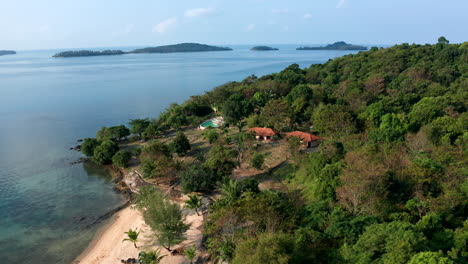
(342, 3)
(163, 26)
(250, 27)
(196, 12)
(280, 11)
(307, 16)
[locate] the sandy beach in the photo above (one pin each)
(107, 246)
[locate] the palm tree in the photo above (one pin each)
(194, 202)
(231, 190)
(190, 253)
(150, 257)
(132, 236)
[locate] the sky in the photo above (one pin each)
(50, 24)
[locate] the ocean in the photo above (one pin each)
(49, 207)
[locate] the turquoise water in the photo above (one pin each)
(209, 124)
(47, 206)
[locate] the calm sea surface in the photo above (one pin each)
(47, 206)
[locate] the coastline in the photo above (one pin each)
(107, 246)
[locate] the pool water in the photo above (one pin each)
(209, 124)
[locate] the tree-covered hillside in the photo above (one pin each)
(387, 184)
(389, 181)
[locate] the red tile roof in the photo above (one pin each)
(263, 131)
(303, 136)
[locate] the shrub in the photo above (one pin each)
(196, 179)
(257, 160)
(103, 153)
(181, 144)
(88, 146)
(121, 158)
(211, 135)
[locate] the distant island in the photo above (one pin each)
(87, 53)
(262, 48)
(7, 52)
(183, 47)
(340, 45)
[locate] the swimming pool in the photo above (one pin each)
(214, 123)
(209, 123)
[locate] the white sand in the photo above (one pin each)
(107, 246)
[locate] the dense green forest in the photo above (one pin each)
(182, 47)
(263, 48)
(340, 45)
(388, 183)
(87, 53)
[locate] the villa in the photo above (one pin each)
(307, 140)
(263, 133)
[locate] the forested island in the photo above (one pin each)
(340, 45)
(182, 47)
(387, 183)
(262, 48)
(87, 53)
(7, 52)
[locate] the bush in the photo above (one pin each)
(88, 146)
(257, 160)
(121, 158)
(196, 179)
(277, 248)
(103, 154)
(211, 135)
(181, 144)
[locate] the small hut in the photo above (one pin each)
(263, 133)
(307, 140)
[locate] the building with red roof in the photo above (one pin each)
(263, 133)
(307, 140)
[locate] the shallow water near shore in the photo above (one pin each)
(48, 206)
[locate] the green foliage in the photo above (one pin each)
(121, 158)
(392, 128)
(275, 248)
(394, 242)
(132, 236)
(430, 258)
(257, 160)
(88, 146)
(426, 110)
(164, 217)
(196, 179)
(276, 115)
(220, 162)
(152, 131)
(103, 153)
(333, 120)
(138, 126)
(150, 257)
(181, 144)
(211, 135)
(190, 253)
(156, 160)
(194, 202)
(112, 133)
(235, 108)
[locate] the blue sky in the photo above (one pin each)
(35, 24)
